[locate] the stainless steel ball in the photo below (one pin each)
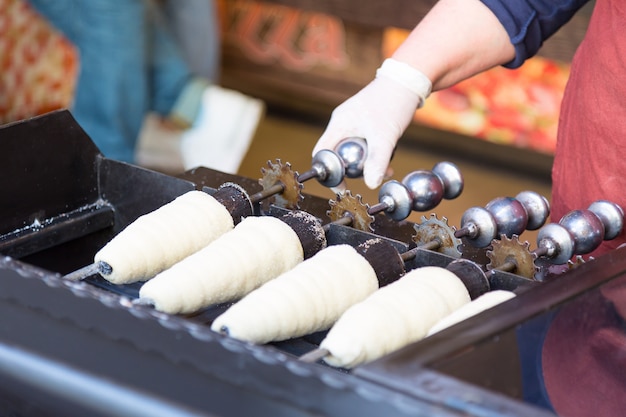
(481, 225)
(537, 208)
(451, 177)
(426, 189)
(330, 168)
(398, 198)
(612, 217)
(586, 228)
(558, 242)
(509, 214)
(353, 151)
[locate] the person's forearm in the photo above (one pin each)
(456, 40)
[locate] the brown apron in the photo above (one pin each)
(591, 148)
(584, 354)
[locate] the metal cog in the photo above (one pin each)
(435, 230)
(277, 173)
(577, 261)
(511, 250)
(347, 204)
(548, 270)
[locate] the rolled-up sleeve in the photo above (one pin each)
(530, 22)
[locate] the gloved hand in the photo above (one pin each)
(379, 113)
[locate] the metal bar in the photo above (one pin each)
(56, 230)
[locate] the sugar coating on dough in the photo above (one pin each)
(484, 302)
(159, 239)
(308, 298)
(394, 316)
(257, 250)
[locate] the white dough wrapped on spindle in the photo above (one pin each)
(394, 316)
(159, 239)
(257, 250)
(480, 304)
(306, 299)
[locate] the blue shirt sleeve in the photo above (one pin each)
(530, 22)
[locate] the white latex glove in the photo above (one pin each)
(380, 113)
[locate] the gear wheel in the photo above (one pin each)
(548, 270)
(434, 230)
(277, 173)
(347, 204)
(577, 261)
(510, 250)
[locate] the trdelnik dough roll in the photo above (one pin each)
(159, 239)
(484, 302)
(306, 299)
(257, 250)
(394, 316)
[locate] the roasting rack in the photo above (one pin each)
(83, 348)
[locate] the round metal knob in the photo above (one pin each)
(451, 177)
(537, 208)
(426, 189)
(329, 167)
(353, 151)
(557, 242)
(397, 200)
(586, 228)
(509, 214)
(479, 226)
(611, 215)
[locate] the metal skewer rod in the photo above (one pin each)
(377, 208)
(508, 266)
(82, 273)
(89, 270)
(467, 230)
(346, 220)
(143, 302)
(277, 188)
(314, 355)
(411, 253)
(305, 176)
(511, 266)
